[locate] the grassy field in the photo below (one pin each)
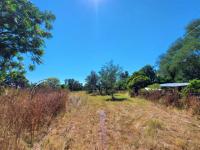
(95, 122)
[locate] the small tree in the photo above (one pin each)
(109, 74)
(137, 82)
(121, 83)
(73, 85)
(92, 82)
(52, 83)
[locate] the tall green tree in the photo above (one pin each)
(150, 72)
(109, 75)
(182, 60)
(122, 82)
(23, 30)
(92, 82)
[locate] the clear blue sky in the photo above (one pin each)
(132, 33)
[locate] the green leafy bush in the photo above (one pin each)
(137, 82)
(192, 88)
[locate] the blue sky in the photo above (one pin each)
(132, 33)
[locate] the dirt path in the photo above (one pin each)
(93, 123)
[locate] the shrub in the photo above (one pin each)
(165, 97)
(53, 83)
(192, 88)
(171, 98)
(151, 95)
(137, 82)
(23, 115)
(155, 95)
(154, 86)
(193, 103)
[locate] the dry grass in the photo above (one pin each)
(129, 123)
(24, 117)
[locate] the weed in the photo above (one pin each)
(23, 115)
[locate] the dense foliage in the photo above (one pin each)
(23, 30)
(122, 82)
(149, 72)
(109, 74)
(192, 88)
(109, 79)
(182, 61)
(141, 79)
(53, 83)
(137, 82)
(92, 82)
(73, 85)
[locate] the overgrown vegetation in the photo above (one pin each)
(27, 110)
(73, 85)
(24, 115)
(182, 60)
(192, 89)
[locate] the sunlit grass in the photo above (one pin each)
(153, 126)
(105, 100)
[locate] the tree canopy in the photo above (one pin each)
(109, 74)
(92, 82)
(121, 83)
(182, 60)
(23, 30)
(53, 83)
(136, 82)
(149, 72)
(73, 85)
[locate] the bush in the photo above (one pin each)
(165, 97)
(136, 82)
(171, 98)
(193, 103)
(154, 86)
(151, 95)
(53, 83)
(23, 114)
(192, 88)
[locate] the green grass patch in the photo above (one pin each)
(120, 98)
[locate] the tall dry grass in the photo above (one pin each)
(173, 98)
(23, 114)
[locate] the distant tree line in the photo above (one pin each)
(73, 85)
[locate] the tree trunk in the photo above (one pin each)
(113, 98)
